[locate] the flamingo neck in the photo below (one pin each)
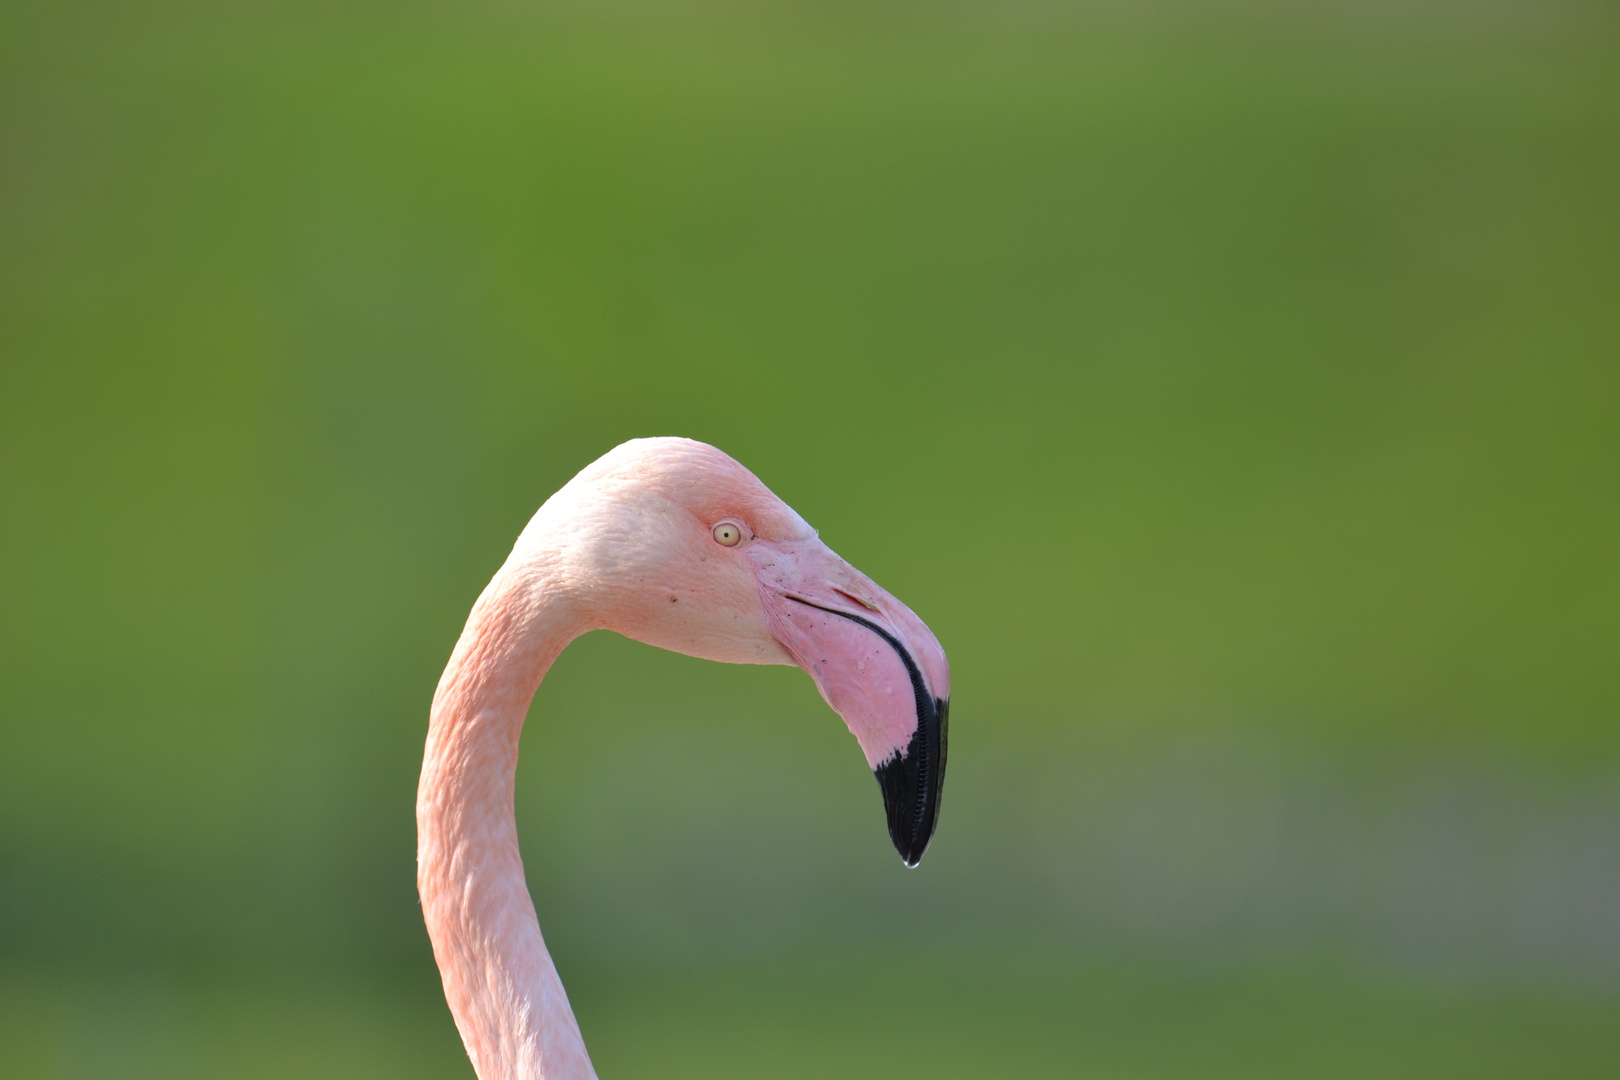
(501, 985)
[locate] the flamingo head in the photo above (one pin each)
(673, 543)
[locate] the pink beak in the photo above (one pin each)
(876, 664)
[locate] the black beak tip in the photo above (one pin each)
(912, 782)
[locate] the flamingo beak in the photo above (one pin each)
(876, 664)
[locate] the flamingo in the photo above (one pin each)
(673, 543)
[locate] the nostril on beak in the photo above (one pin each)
(852, 598)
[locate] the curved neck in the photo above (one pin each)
(499, 980)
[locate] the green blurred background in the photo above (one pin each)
(1234, 388)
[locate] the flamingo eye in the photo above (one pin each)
(727, 534)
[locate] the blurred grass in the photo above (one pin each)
(1195, 372)
(809, 1017)
(979, 1019)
